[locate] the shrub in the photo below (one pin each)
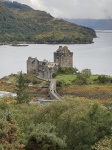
(60, 83)
(9, 132)
(3, 106)
(55, 74)
(80, 79)
(83, 76)
(65, 70)
(103, 144)
(86, 72)
(34, 81)
(104, 79)
(43, 137)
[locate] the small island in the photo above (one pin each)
(19, 45)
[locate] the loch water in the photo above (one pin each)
(96, 56)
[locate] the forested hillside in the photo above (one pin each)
(20, 23)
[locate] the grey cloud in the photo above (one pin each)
(73, 8)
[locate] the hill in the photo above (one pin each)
(96, 24)
(15, 4)
(20, 23)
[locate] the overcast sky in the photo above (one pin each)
(96, 9)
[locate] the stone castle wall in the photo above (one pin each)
(62, 58)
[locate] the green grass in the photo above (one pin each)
(70, 77)
(67, 78)
(93, 77)
(12, 79)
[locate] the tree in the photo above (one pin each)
(104, 79)
(86, 72)
(82, 77)
(43, 137)
(21, 91)
(100, 120)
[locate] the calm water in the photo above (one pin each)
(96, 56)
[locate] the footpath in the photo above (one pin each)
(52, 88)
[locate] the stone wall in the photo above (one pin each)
(43, 69)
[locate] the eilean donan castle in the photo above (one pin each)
(44, 69)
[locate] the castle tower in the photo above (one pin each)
(32, 65)
(64, 57)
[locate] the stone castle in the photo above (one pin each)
(44, 69)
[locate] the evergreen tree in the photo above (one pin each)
(21, 91)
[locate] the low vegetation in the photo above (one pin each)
(69, 82)
(74, 124)
(27, 83)
(84, 77)
(82, 121)
(85, 84)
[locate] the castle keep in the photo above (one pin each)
(62, 58)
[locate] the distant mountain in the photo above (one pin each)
(20, 23)
(96, 24)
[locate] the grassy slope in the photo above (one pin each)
(9, 84)
(93, 91)
(90, 91)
